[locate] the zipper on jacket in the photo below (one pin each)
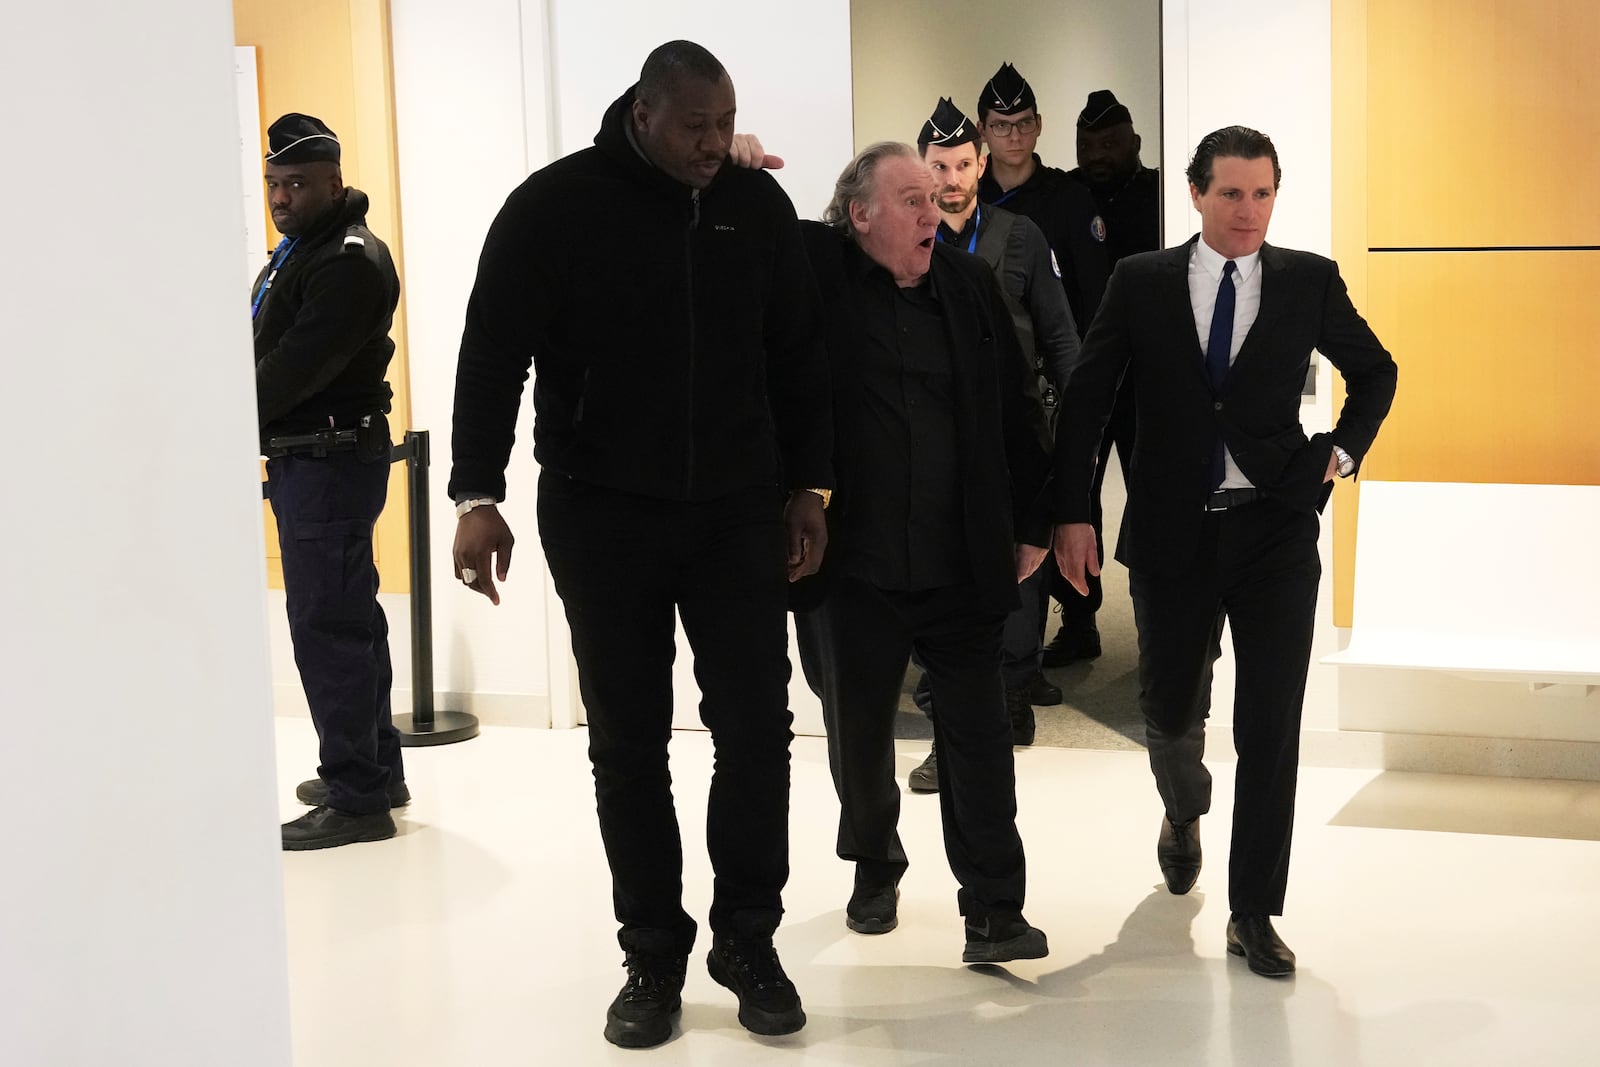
(688, 263)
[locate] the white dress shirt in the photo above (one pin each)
(1205, 275)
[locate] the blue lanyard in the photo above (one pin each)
(279, 254)
(1003, 197)
(977, 220)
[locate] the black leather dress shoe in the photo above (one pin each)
(1178, 852)
(873, 909)
(326, 827)
(1021, 712)
(315, 793)
(924, 777)
(1070, 646)
(1043, 693)
(1253, 937)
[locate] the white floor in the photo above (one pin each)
(1438, 920)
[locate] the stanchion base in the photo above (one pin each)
(447, 728)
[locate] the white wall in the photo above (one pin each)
(1234, 62)
(485, 92)
(908, 53)
(141, 911)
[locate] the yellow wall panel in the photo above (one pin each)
(332, 59)
(1499, 369)
(1348, 52)
(1483, 118)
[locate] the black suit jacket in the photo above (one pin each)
(1145, 328)
(1003, 442)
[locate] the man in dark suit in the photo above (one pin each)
(1221, 520)
(940, 459)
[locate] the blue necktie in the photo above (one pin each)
(1217, 350)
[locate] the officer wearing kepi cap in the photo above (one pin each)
(322, 308)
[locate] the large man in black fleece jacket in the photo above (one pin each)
(682, 420)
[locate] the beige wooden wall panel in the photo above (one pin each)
(1500, 366)
(332, 59)
(1348, 47)
(1484, 122)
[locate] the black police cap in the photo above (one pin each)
(947, 127)
(1102, 111)
(297, 138)
(1007, 92)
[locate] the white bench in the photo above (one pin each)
(1495, 582)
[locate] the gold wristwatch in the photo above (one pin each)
(825, 494)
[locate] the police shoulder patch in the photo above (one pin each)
(1097, 229)
(1053, 264)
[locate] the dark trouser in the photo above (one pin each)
(1257, 568)
(1077, 609)
(621, 564)
(1021, 641)
(325, 509)
(856, 642)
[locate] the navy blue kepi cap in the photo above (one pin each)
(297, 138)
(1007, 92)
(1102, 110)
(947, 127)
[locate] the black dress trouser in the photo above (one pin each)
(1257, 568)
(325, 507)
(622, 563)
(854, 646)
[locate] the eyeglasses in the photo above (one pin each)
(1002, 128)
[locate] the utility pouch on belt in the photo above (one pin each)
(372, 438)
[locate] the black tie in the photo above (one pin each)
(1217, 350)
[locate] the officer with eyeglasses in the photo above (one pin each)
(1017, 180)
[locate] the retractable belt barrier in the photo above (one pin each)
(425, 725)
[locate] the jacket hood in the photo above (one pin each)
(613, 139)
(351, 211)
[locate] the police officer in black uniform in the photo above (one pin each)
(1018, 180)
(1128, 197)
(322, 308)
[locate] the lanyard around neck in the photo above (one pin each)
(977, 220)
(279, 254)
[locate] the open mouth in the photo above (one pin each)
(928, 244)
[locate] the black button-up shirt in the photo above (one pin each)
(908, 508)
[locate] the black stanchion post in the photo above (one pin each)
(424, 726)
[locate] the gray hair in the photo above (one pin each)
(858, 181)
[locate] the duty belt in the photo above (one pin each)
(316, 444)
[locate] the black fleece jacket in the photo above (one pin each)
(674, 333)
(322, 332)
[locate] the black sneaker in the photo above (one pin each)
(315, 793)
(641, 1016)
(1021, 712)
(873, 909)
(325, 827)
(924, 777)
(1001, 937)
(768, 1002)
